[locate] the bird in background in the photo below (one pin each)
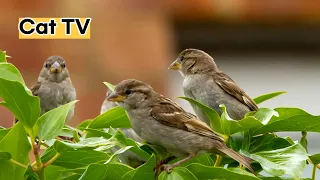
(127, 157)
(204, 82)
(54, 86)
(160, 121)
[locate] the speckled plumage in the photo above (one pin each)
(204, 82)
(160, 121)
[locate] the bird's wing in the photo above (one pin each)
(228, 85)
(34, 89)
(169, 113)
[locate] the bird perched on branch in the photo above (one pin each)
(204, 82)
(54, 86)
(160, 121)
(127, 157)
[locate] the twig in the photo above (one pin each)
(314, 172)
(18, 163)
(51, 160)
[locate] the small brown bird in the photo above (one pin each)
(127, 157)
(160, 121)
(204, 82)
(54, 86)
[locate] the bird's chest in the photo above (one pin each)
(52, 94)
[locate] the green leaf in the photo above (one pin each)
(24, 106)
(290, 119)
(290, 160)
(267, 142)
(265, 115)
(60, 173)
(115, 117)
(110, 86)
(315, 158)
(212, 115)
(230, 126)
(203, 159)
(73, 158)
(266, 97)
(51, 123)
(178, 173)
(10, 72)
(3, 133)
(202, 172)
(3, 56)
(4, 156)
(84, 124)
(112, 171)
(17, 144)
(142, 172)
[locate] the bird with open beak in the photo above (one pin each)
(54, 86)
(160, 121)
(204, 82)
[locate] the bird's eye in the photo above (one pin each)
(47, 65)
(128, 92)
(181, 58)
(63, 65)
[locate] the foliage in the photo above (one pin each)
(89, 155)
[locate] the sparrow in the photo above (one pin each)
(160, 121)
(54, 86)
(127, 157)
(205, 83)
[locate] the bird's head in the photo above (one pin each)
(54, 69)
(192, 61)
(131, 93)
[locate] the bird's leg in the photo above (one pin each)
(169, 167)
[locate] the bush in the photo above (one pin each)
(88, 156)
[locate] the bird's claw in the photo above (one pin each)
(166, 167)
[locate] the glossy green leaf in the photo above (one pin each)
(266, 97)
(16, 143)
(212, 115)
(115, 117)
(142, 172)
(230, 126)
(110, 86)
(290, 160)
(10, 72)
(315, 158)
(267, 142)
(265, 115)
(290, 119)
(25, 107)
(112, 171)
(303, 140)
(51, 123)
(202, 172)
(3, 133)
(203, 159)
(84, 124)
(59, 173)
(178, 173)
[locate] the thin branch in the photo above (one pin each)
(51, 160)
(314, 172)
(18, 163)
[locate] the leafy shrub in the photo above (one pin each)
(88, 156)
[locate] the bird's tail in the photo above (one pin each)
(238, 157)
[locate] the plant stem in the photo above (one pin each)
(18, 163)
(51, 160)
(218, 161)
(40, 173)
(314, 172)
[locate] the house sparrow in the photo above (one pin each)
(127, 157)
(160, 121)
(204, 82)
(54, 86)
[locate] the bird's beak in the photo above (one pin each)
(114, 97)
(55, 68)
(175, 65)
